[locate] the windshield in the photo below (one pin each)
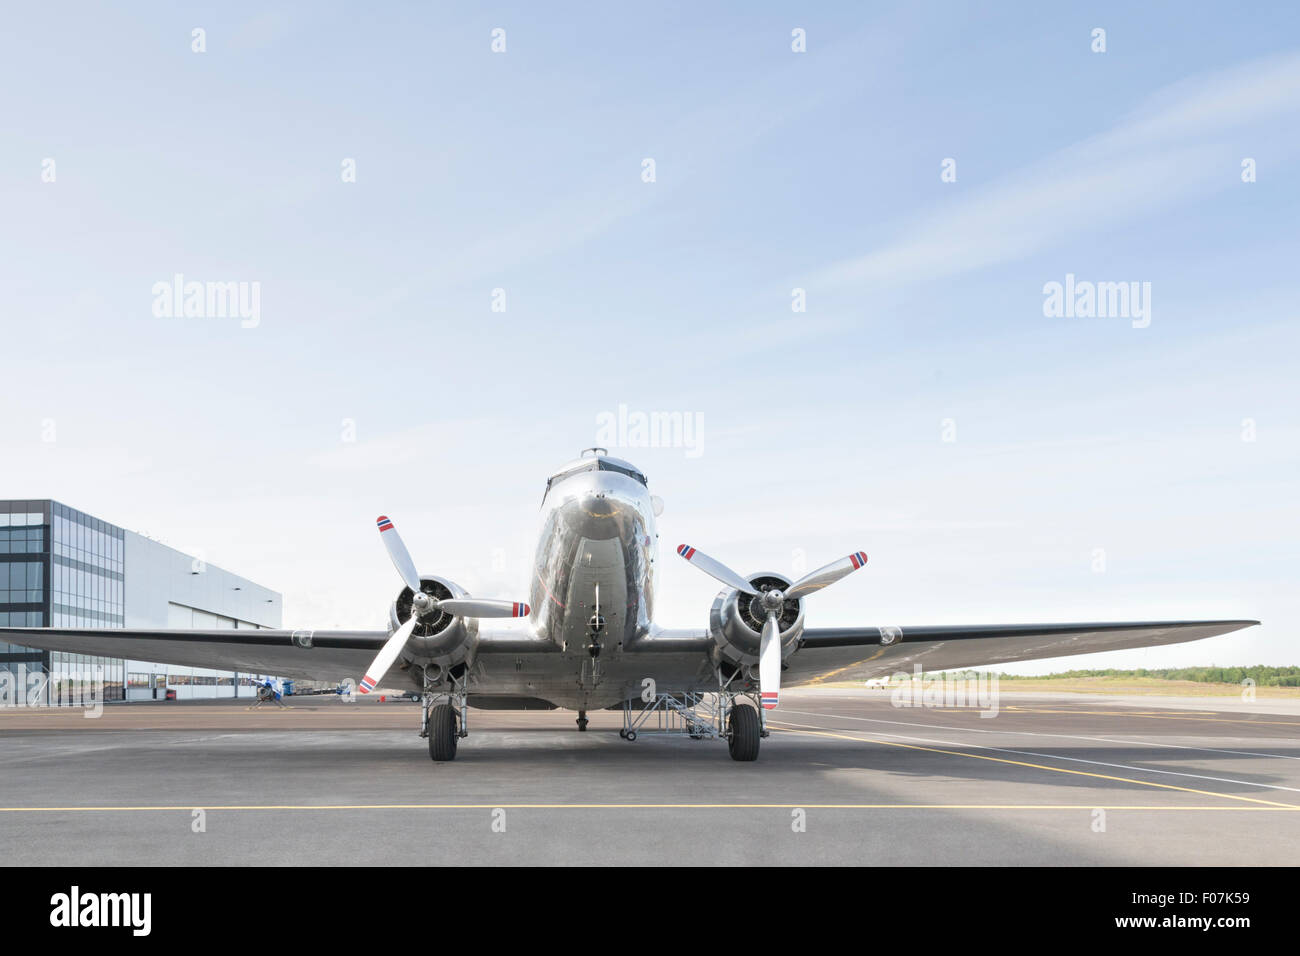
(598, 464)
(622, 470)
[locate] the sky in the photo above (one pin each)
(464, 266)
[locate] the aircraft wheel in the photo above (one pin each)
(622, 732)
(631, 735)
(442, 733)
(743, 726)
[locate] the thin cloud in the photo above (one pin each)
(1164, 151)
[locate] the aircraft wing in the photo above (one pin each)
(309, 655)
(305, 654)
(860, 653)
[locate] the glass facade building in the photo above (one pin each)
(60, 567)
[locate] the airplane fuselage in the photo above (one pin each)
(593, 575)
(592, 596)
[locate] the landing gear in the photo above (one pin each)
(443, 733)
(445, 718)
(744, 727)
(582, 720)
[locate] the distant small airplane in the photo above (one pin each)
(590, 640)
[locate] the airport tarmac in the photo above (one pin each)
(1052, 779)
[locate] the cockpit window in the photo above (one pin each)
(598, 464)
(556, 479)
(630, 472)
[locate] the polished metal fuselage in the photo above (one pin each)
(592, 598)
(598, 541)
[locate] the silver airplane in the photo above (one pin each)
(591, 641)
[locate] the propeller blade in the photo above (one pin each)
(387, 654)
(482, 607)
(400, 556)
(715, 569)
(769, 663)
(816, 580)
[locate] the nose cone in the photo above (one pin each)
(601, 504)
(598, 515)
(602, 508)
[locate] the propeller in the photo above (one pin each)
(771, 602)
(387, 654)
(423, 605)
(715, 569)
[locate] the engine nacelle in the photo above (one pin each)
(736, 624)
(439, 639)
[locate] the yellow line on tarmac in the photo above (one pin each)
(188, 808)
(1038, 766)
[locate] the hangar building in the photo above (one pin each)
(60, 567)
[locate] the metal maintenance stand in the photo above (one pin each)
(700, 716)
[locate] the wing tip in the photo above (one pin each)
(1234, 624)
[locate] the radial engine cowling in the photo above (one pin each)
(439, 638)
(736, 623)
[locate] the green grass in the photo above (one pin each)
(1171, 682)
(1262, 675)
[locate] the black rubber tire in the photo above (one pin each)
(442, 733)
(631, 735)
(743, 732)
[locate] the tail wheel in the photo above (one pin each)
(442, 733)
(743, 732)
